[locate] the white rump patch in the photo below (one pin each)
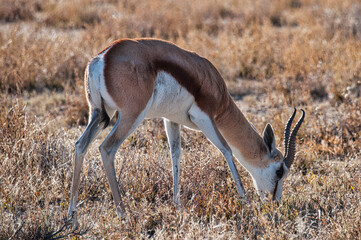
(96, 84)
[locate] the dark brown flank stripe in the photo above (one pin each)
(187, 80)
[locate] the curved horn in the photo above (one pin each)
(288, 130)
(290, 154)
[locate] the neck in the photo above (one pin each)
(247, 145)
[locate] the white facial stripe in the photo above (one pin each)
(263, 178)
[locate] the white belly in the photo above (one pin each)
(170, 100)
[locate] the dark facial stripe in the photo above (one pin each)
(275, 191)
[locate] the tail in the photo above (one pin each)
(104, 116)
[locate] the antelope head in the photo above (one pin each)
(270, 180)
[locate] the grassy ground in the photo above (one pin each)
(273, 55)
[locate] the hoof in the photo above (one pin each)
(73, 220)
(121, 213)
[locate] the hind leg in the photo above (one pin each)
(126, 124)
(97, 123)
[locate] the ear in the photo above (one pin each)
(269, 140)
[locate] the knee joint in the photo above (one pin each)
(80, 148)
(104, 151)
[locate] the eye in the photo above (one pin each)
(279, 172)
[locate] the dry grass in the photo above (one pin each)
(273, 55)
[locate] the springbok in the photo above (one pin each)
(149, 78)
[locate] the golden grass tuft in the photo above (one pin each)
(18, 10)
(71, 14)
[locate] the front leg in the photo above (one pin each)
(174, 140)
(207, 125)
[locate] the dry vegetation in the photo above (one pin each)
(273, 55)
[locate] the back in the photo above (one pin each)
(145, 58)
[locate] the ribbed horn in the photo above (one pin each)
(291, 148)
(288, 130)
